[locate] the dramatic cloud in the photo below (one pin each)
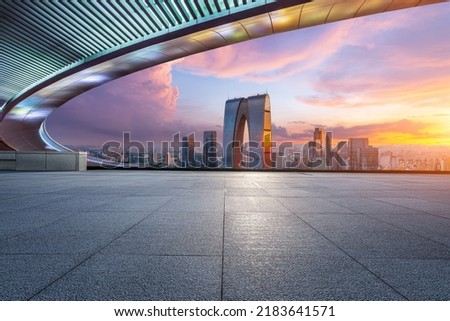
(378, 133)
(394, 89)
(257, 61)
(139, 103)
(401, 126)
(397, 132)
(408, 66)
(280, 134)
(285, 55)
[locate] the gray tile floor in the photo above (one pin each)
(173, 235)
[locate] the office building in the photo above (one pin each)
(187, 152)
(210, 159)
(255, 111)
(319, 140)
(362, 155)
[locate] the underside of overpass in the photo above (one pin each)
(53, 51)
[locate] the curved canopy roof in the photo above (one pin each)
(54, 50)
(42, 37)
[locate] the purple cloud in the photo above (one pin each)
(141, 103)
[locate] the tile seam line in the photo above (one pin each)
(373, 216)
(406, 230)
(93, 254)
(294, 255)
(420, 211)
(348, 254)
(18, 235)
(49, 224)
(223, 237)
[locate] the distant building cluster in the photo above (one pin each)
(353, 154)
(175, 154)
(320, 154)
(409, 160)
(362, 156)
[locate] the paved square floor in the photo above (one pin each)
(180, 235)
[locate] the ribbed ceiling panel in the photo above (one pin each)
(39, 37)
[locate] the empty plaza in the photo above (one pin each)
(218, 235)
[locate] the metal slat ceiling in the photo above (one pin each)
(40, 37)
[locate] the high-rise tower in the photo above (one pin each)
(255, 111)
(319, 139)
(210, 149)
(187, 152)
(362, 155)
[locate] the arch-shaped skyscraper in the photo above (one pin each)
(255, 111)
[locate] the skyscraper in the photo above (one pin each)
(255, 111)
(165, 159)
(191, 146)
(362, 155)
(328, 147)
(187, 152)
(319, 139)
(210, 159)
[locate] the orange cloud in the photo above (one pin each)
(292, 53)
(138, 103)
(360, 92)
(150, 90)
(403, 131)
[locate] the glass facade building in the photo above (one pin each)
(255, 112)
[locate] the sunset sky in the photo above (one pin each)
(386, 77)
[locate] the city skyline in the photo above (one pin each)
(320, 153)
(383, 77)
